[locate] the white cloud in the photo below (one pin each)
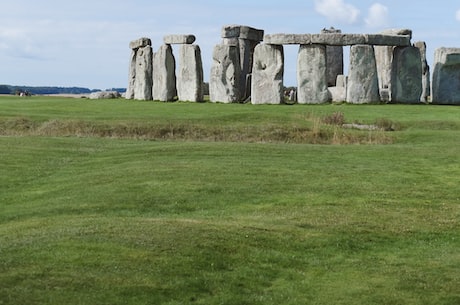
(378, 16)
(457, 15)
(337, 11)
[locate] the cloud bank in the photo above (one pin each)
(341, 12)
(378, 16)
(337, 11)
(457, 15)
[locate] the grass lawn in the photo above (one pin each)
(122, 202)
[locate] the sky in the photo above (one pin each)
(85, 43)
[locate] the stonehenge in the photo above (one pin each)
(245, 38)
(248, 65)
(153, 76)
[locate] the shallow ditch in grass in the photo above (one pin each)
(330, 129)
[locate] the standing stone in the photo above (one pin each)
(190, 76)
(267, 74)
(384, 59)
(132, 76)
(334, 59)
(312, 75)
(406, 76)
(225, 74)
(446, 76)
(363, 85)
(140, 70)
(164, 76)
(426, 86)
(246, 38)
(143, 82)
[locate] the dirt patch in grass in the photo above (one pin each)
(315, 131)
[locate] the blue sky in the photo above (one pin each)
(85, 43)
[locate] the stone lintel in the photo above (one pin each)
(179, 39)
(338, 39)
(389, 40)
(243, 32)
(140, 43)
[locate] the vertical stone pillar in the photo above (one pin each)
(426, 86)
(267, 74)
(140, 72)
(334, 59)
(406, 75)
(246, 38)
(164, 76)
(363, 84)
(131, 76)
(225, 74)
(446, 77)
(384, 59)
(312, 75)
(190, 76)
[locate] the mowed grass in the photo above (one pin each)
(93, 219)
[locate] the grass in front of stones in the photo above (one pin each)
(87, 220)
(315, 124)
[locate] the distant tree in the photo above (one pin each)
(4, 89)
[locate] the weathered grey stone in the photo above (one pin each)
(406, 76)
(363, 84)
(342, 81)
(384, 58)
(334, 59)
(140, 70)
(143, 74)
(338, 39)
(281, 39)
(140, 43)
(231, 41)
(104, 95)
(267, 74)
(245, 38)
(388, 40)
(164, 74)
(252, 34)
(131, 76)
(179, 39)
(312, 75)
(339, 92)
(225, 74)
(446, 76)
(231, 31)
(246, 48)
(426, 86)
(403, 32)
(243, 32)
(190, 76)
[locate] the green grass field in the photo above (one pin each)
(124, 202)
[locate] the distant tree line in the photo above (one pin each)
(7, 89)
